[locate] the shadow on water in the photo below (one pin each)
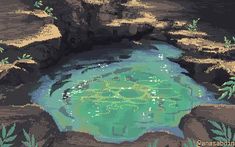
(95, 92)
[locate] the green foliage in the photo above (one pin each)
(228, 89)
(4, 61)
(49, 10)
(1, 50)
(154, 144)
(7, 137)
(30, 140)
(229, 42)
(221, 132)
(25, 56)
(193, 26)
(38, 4)
(233, 39)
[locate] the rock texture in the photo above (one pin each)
(85, 23)
(195, 125)
(31, 118)
(35, 121)
(21, 71)
(26, 30)
(15, 81)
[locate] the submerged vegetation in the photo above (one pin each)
(222, 133)
(7, 138)
(228, 89)
(193, 27)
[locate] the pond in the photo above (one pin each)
(120, 94)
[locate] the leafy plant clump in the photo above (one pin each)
(221, 132)
(25, 56)
(154, 144)
(7, 137)
(1, 50)
(30, 140)
(49, 10)
(193, 26)
(38, 4)
(4, 61)
(228, 42)
(228, 89)
(190, 143)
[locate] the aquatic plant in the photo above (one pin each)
(25, 56)
(7, 137)
(38, 4)
(193, 26)
(228, 89)
(30, 140)
(222, 133)
(154, 144)
(49, 10)
(4, 61)
(190, 143)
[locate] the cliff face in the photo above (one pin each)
(84, 23)
(26, 30)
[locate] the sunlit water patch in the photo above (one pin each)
(118, 95)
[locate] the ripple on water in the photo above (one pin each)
(122, 100)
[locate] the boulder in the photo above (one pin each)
(20, 72)
(28, 30)
(33, 120)
(196, 124)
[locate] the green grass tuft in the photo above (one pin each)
(7, 136)
(4, 61)
(193, 27)
(222, 133)
(228, 89)
(25, 56)
(30, 140)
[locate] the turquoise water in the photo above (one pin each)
(120, 94)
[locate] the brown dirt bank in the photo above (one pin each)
(83, 23)
(38, 122)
